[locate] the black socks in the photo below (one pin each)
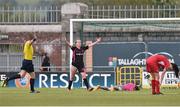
(32, 84)
(86, 83)
(14, 77)
(70, 84)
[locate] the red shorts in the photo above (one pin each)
(152, 67)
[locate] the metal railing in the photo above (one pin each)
(52, 14)
(11, 56)
(30, 15)
(148, 11)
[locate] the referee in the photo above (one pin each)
(27, 65)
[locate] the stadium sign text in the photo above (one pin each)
(169, 80)
(61, 81)
(135, 60)
(131, 61)
(2, 77)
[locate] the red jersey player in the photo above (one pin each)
(153, 64)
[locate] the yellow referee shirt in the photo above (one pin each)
(28, 51)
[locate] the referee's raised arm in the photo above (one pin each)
(32, 39)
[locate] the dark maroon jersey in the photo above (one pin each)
(78, 54)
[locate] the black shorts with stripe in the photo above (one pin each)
(80, 66)
(27, 66)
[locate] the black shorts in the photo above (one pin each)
(80, 66)
(28, 66)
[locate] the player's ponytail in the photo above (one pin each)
(176, 69)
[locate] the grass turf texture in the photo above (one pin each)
(76, 97)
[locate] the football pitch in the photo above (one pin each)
(81, 97)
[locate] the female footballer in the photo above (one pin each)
(153, 64)
(125, 87)
(77, 61)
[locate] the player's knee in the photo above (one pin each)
(71, 78)
(32, 75)
(84, 78)
(22, 75)
(83, 75)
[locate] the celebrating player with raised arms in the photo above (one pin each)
(77, 61)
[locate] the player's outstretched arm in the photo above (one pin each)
(94, 43)
(67, 43)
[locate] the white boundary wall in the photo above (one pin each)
(30, 28)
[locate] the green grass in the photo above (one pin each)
(61, 97)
